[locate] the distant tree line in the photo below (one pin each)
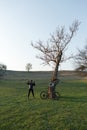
(3, 69)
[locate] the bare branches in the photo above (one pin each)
(74, 27)
(53, 50)
(47, 52)
(68, 37)
(81, 58)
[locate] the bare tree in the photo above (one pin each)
(3, 67)
(28, 66)
(81, 59)
(53, 50)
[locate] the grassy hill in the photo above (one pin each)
(22, 75)
(19, 113)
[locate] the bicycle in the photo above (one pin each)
(45, 95)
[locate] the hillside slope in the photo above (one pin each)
(23, 75)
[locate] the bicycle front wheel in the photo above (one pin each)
(43, 95)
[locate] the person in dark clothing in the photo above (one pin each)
(31, 88)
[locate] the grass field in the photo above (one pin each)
(19, 113)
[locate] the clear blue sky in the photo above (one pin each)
(23, 21)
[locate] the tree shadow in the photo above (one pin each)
(74, 99)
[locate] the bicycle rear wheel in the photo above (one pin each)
(56, 95)
(43, 95)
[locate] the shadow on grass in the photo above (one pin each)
(74, 99)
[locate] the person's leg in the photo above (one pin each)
(33, 92)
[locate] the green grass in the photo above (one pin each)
(19, 113)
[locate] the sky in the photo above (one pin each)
(23, 21)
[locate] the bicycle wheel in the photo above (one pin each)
(56, 95)
(43, 95)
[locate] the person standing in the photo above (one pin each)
(31, 88)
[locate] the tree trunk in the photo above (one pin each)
(55, 73)
(54, 77)
(53, 80)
